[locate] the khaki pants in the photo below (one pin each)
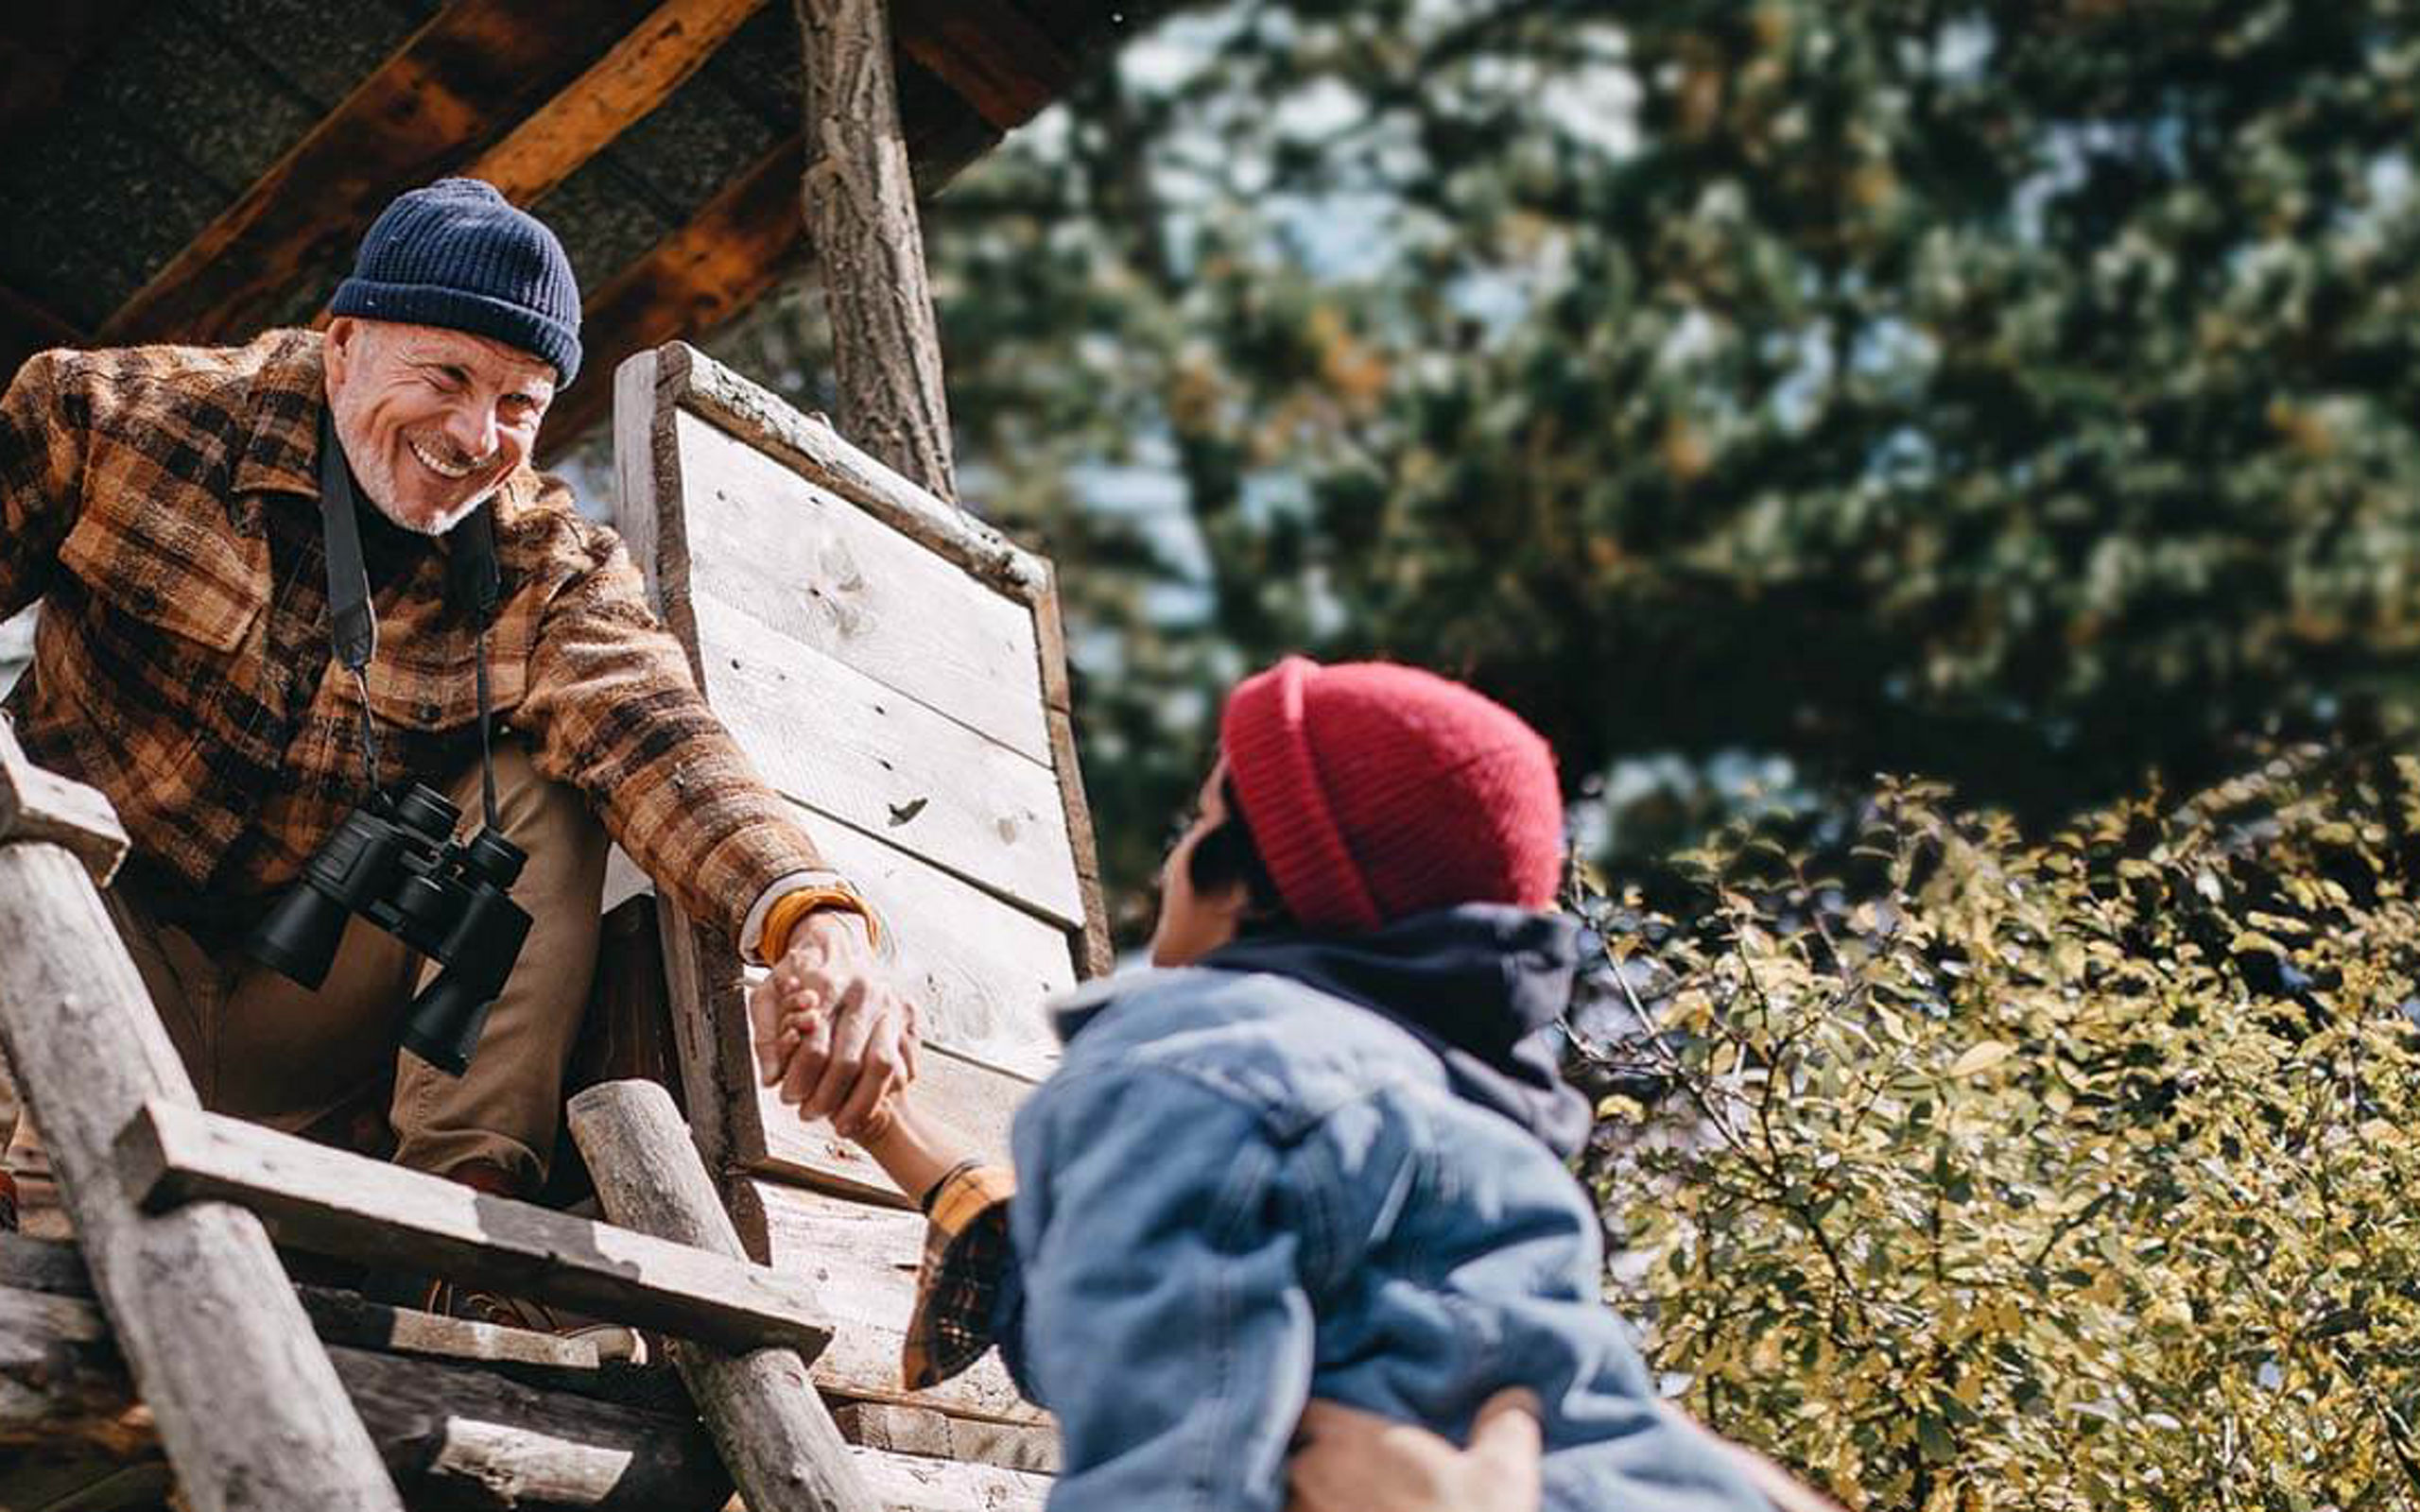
(261, 1048)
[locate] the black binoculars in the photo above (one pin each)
(395, 863)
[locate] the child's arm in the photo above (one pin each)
(913, 1150)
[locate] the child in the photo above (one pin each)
(1319, 1152)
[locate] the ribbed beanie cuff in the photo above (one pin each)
(457, 254)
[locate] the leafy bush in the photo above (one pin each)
(2076, 1175)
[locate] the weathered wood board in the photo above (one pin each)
(454, 1435)
(824, 574)
(895, 668)
(977, 1100)
(853, 749)
(335, 1202)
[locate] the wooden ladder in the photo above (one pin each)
(175, 1207)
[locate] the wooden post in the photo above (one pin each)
(860, 215)
(779, 1442)
(248, 1405)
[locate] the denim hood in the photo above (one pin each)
(1483, 986)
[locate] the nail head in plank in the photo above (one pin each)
(339, 1203)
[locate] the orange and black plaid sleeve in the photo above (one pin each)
(43, 424)
(614, 710)
(958, 1287)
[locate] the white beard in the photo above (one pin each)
(375, 473)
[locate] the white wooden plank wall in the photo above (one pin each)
(980, 970)
(808, 563)
(849, 747)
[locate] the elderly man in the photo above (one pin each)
(165, 505)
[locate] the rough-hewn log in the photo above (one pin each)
(996, 58)
(36, 805)
(862, 220)
(739, 244)
(333, 1202)
(454, 1437)
(777, 1438)
(55, 1266)
(245, 1399)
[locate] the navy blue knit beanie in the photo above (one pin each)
(458, 255)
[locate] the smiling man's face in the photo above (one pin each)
(432, 419)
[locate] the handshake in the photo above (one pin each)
(832, 1030)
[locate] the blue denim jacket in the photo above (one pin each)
(1240, 1192)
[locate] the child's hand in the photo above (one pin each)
(1346, 1460)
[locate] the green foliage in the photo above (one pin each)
(2062, 1176)
(2016, 393)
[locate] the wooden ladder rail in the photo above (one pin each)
(248, 1404)
(174, 1207)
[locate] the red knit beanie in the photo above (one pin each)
(1375, 791)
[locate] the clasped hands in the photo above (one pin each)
(832, 1030)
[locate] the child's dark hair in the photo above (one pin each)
(1227, 855)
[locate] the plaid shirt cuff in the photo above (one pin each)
(966, 1254)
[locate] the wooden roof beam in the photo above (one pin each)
(996, 58)
(737, 246)
(28, 321)
(459, 81)
(28, 326)
(627, 84)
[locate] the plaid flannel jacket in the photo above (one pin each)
(163, 503)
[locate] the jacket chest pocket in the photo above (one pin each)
(429, 681)
(173, 563)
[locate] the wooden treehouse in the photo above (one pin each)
(201, 170)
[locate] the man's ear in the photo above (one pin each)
(339, 350)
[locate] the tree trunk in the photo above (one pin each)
(861, 212)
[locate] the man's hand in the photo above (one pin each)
(830, 1028)
(1346, 1460)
